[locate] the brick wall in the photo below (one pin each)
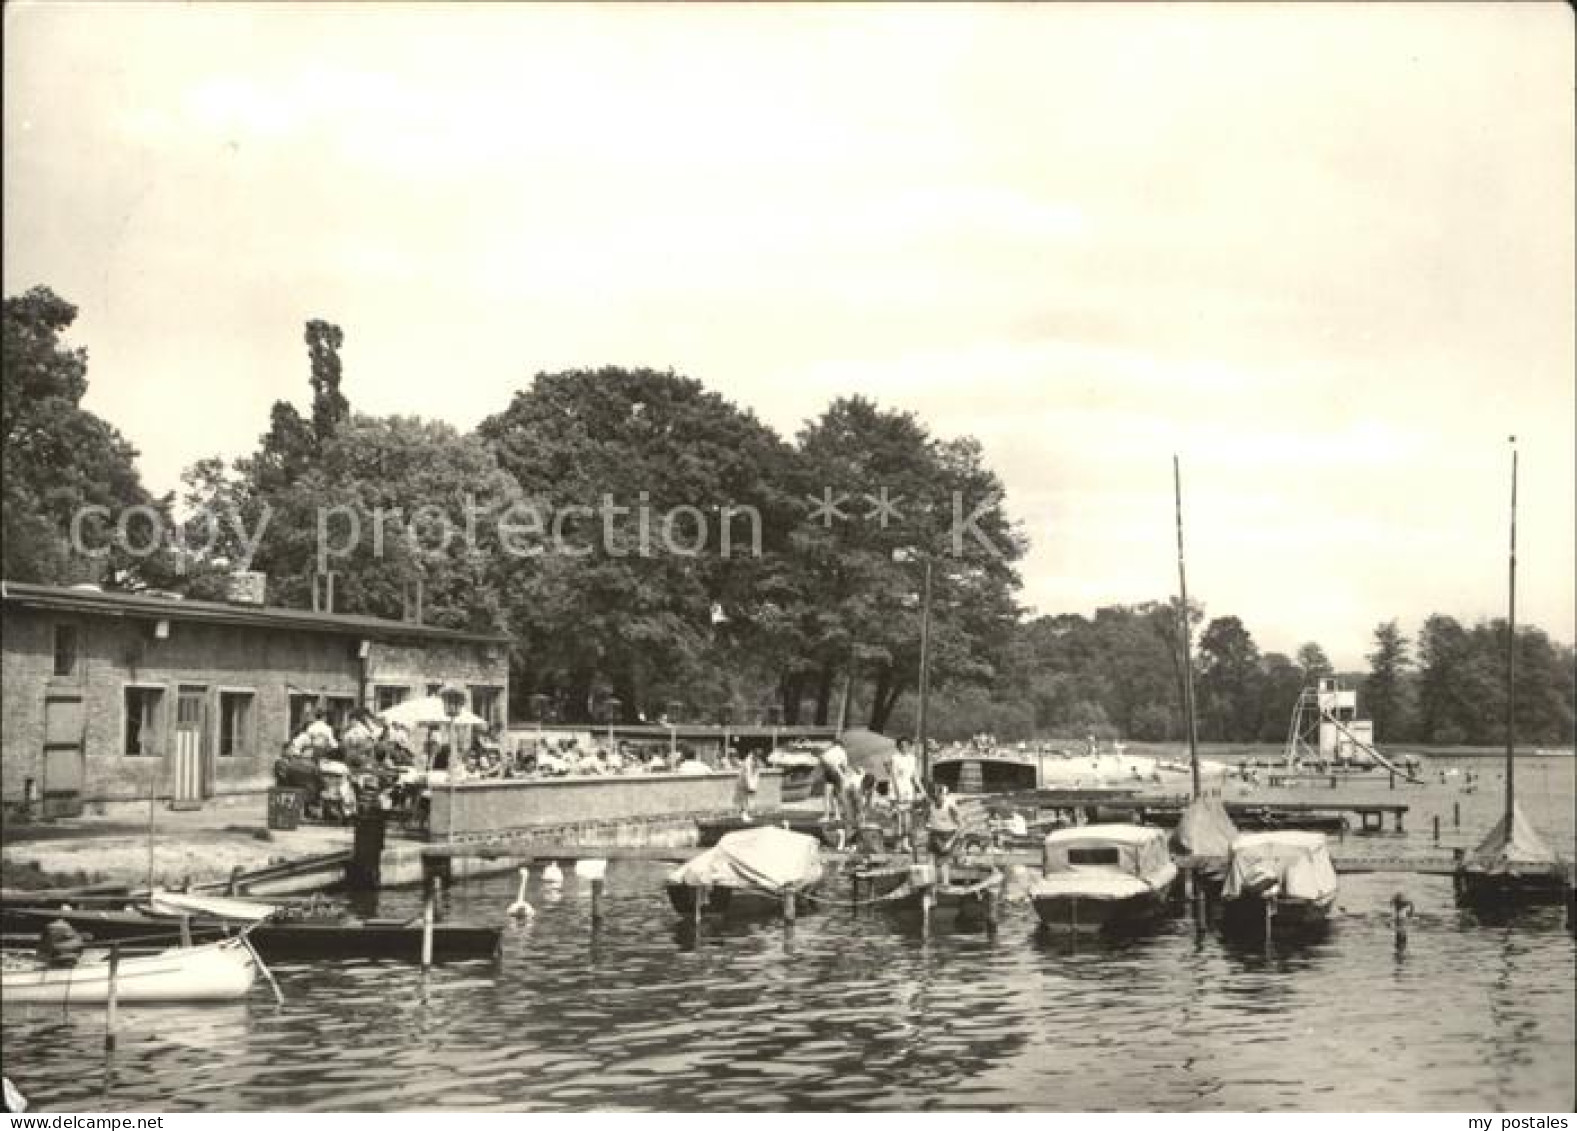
(270, 664)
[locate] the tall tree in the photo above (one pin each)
(1314, 662)
(330, 409)
(1384, 688)
(60, 460)
(1229, 680)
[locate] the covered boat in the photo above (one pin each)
(1512, 866)
(1278, 881)
(1205, 832)
(221, 971)
(1104, 877)
(747, 872)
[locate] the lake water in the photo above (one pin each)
(853, 1010)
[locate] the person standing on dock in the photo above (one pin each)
(903, 772)
(749, 782)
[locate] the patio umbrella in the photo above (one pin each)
(868, 751)
(427, 711)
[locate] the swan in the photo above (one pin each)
(520, 909)
(552, 875)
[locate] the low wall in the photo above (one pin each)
(486, 808)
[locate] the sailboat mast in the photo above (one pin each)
(1511, 650)
(1187, 633)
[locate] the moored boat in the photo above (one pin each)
(1104, 877)
(276, 940)
(1279, 882)
(961, 900)
(746, 873)
(221, 971)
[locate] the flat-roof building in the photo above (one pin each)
(113, 697)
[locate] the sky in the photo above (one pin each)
(1323, 253)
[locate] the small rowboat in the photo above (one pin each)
(221, 971)
(277, 941)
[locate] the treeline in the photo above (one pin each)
(814, 614)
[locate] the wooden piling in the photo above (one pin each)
(927, 898)
(1392, 776)
(234, 886)
(990, 897)
(789, 910)
(110, 1004)
(427, 922)
(596, 901)
(1437, 828)
(1456, 814)
(697, 904)
(186, 930)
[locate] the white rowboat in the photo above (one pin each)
(221, 971)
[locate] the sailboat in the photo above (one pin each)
(1513, 866)
(1205, 832)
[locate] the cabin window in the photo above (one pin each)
(65, 649)
(235, 723)
(388, 695)
(1093, 856)
(142, 721)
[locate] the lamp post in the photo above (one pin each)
(908, 555)
(453, 697)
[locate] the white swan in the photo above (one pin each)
(552, 875)
(520, 909)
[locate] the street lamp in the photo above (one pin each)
(453, 697)
(908, 555)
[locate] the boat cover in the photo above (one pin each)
(1520, 849)
(1141, 851)
(765, 859)
(1205, 829)
(1297, 861)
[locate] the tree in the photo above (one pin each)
(330, 409)
(1448, 683)
(1281, 682)
(1229, 681)
(60, 460)
(1314, 662)
(1383, 689)
(610, 609)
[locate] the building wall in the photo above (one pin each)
(272, 664)
(479, 808)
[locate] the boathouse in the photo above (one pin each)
(111, 697)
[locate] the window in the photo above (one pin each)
(388, 696)
(485, 703)
(300, 703)
(235, 723)
(432, 688)
(65, 649)
(1093, 856)
(143, 705)
(336, 711)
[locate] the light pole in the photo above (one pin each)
(453, 698)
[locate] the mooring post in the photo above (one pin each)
(1270, 922)
(1456, 814)
(186, 930)
(1392, 776)
(697, 902)
(109, 1007)
(1188, 883)
(927, 898)
(1437, 828)
(234, 886)
(789, 910)
(427, 922)
(990, 897)
(596, 901)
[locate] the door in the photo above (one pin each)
(191, 748)
(65, 764)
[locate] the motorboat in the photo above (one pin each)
(746, 873)
(221, 971)
(1278, 882)
(1103, 877)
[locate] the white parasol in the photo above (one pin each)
(427, 711)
